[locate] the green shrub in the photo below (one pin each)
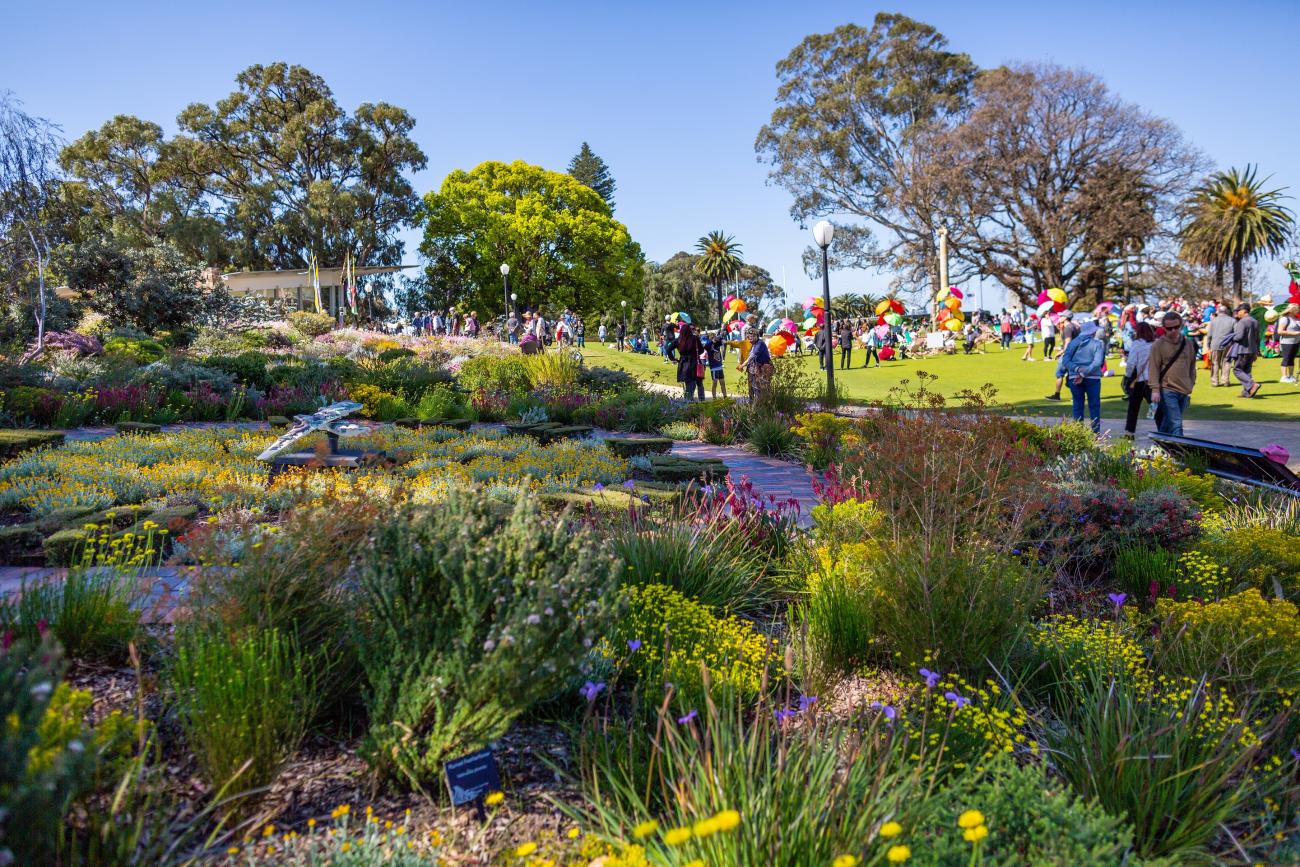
(248, 368)
(805, 793)
(91, 612)
(792, 388)
(1246, 643)
(646, 415)
(1158, 473)
(29, 403)
(1032, 818)
(141, 350)
(677, 635)
(1062, 649)
(1140, 565)
(440, 401)
(1261, 557)
(681, 430)
(838, 612)
(507, 375)
(241, 699)
(705, 563)
(1173, 762)
(379, 404)
(845, 522)
(292, 581)
(558, 370)
(35, 790)
(771, 435)
(821, 433)
(965, 606)
(310, 324)
(396, 352)
(467, 622)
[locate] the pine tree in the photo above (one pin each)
(589, 169)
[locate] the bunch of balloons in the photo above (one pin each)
(889, 312)
(1052, 301)
(950, 317)
(781, 335)
(815, 310)
(733, 306)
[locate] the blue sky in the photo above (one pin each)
(670, 94)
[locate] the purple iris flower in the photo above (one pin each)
(782, 714)
(598, 487)
(629, 484)
(887, 710)
(634, 644)
(1117, 598)
(806, 701)
(931, 678)
(590, 690)
(956, 699)
(690, 715)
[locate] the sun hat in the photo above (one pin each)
(1276, 452)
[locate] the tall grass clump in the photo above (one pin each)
(560, 369)
(91, 612)
(242, 700)
(705, 562)
(467, 620)
(773, 436)
(1143, 570)
(1177, 761)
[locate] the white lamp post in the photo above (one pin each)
(823, 232)
(505, 290)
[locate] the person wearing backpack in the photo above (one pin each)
(1171, 373)
(1288, 340)
(1080, 366)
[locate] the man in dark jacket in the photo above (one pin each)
(1244, 349)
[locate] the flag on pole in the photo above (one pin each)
(314, 270)
(350, 282)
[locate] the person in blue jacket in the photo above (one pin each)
(1081, 365)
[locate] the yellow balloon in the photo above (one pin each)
(882, 308)
(953, 304)
(777, 346)
(943, 293)
(953, 324)
(1057, 295)
(957, 316)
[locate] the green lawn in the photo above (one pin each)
(1022, 386)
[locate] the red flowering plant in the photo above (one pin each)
(766, 523)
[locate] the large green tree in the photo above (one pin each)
(562, 244)
(1231, 218)
(848, 138)
(591, 170)
(289, 172)
(124, 181)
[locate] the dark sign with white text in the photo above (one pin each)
(471, 777)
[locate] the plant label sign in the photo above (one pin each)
(473, 776)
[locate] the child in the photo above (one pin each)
(713, 352)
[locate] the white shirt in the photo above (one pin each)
(1049, 328)
(1139, 360)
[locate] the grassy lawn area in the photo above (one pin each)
(1022, 386)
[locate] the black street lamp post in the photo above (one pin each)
(823, 232)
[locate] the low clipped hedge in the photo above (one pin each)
(630, 447)
(15, 442)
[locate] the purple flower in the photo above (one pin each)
(956, 699)
(634, 644)
(1117, 598)
(598, 487)
(1295, 754)
(931, 678)
(690, 715)
(782, 714)
(887, 710)
(590, 690)
(806, 701)
(629, 484)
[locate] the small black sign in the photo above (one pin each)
(473, 776)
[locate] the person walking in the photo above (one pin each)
(1006, 329)
(1029, 331)
(1135, 374)
(1080, 366)
(822, 343)
(685, 350)
(602, 332)
(846, 344)
(1244, 349)
(871, 343)
(1048, 329)
(1288, 340)
(757, 366)
(1069, 331)
(1218, 337)
(1171, 374)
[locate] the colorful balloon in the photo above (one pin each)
(893, 318)
(882, 307)
(956, 293)
(897, 306)
(953, 304)
(953, 324)
(1045, 306)
(1057, 295)
(943, 294)
(944, 315)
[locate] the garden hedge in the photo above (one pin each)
(15, 442)
(629, 447)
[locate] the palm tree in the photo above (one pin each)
(1230, 218)
(719, 261)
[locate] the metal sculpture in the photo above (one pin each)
(332, 419)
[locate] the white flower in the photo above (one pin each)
(42, 690)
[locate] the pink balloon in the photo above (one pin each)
(956, 293)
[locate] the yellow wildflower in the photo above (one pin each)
(898, 854)
(970, 819)
(890, 829)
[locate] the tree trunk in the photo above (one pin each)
(1236, 279)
